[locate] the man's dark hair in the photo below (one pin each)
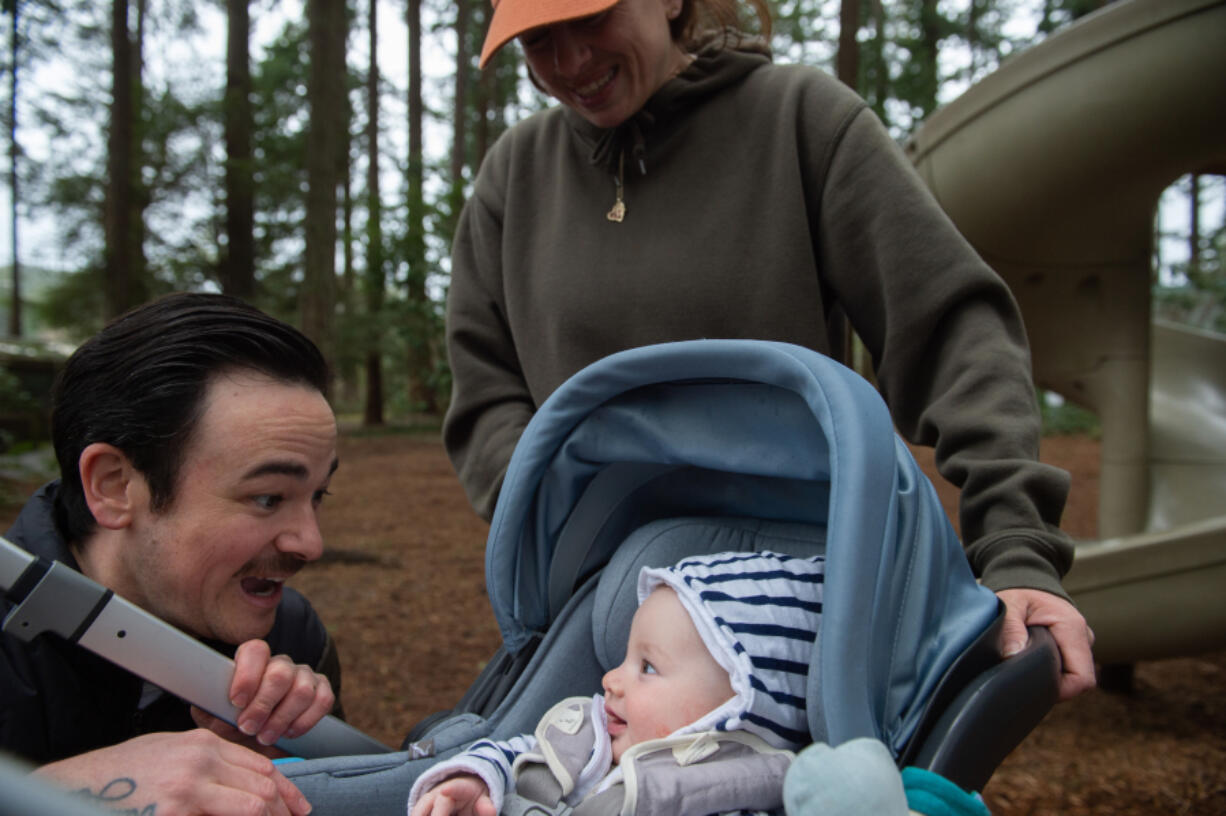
(140, 384)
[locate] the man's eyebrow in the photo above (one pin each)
(282, 468)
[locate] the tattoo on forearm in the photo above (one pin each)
(117, 796)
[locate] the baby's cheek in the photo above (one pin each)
(694, 712)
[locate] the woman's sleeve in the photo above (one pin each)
(490, 401)
(950, 353)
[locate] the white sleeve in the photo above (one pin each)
(488, 759)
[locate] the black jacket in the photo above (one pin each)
(58, 700)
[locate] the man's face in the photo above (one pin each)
(243, 516)
(668, 679)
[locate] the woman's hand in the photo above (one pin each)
(1034, 607)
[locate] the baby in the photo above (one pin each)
(701, 717)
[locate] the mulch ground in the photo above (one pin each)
(402, 589)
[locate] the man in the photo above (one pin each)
(195, 446)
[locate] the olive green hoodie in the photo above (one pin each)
(757, 199)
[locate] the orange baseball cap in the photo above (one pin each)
(513, 17)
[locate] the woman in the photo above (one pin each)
(686, 188)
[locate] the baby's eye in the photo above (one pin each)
(268, 501)
(318, 497)
(647, 668)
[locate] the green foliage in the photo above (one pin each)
(1063, 417)
(902, 74)
(901, 70)
(13, 395)
(1057, 13)
(175, 134)
(74, 303)
(1192, 292)
(1202, 306)
(23, 415)
(280, 108)
(804, 34)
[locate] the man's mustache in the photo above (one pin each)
(282, 565)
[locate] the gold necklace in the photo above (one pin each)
(618, 213)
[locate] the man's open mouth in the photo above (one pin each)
(261, 587)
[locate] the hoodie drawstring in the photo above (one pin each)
(638, 151)
(618, 213)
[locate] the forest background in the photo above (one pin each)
(312, 156)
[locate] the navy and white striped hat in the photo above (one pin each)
(758, 614)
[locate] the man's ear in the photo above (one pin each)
(113, 488)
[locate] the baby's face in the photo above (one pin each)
(668, 679)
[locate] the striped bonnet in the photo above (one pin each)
(758, 614)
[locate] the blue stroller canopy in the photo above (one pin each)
(901, 603)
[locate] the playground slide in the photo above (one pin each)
(1052, 167)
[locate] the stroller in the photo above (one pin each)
(704, 446)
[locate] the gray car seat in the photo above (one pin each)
(705, 446)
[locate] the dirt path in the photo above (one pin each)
(402, 588)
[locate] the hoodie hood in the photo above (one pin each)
(758, 614)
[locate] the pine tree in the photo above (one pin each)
(327, 24)
(238, 260)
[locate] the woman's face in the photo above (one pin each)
(606, 66)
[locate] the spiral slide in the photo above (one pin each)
(1052, 167)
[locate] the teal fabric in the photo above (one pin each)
(858, 778)
(933, 795)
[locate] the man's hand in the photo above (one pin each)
(1034, 607)
(275, 697)
(182, 774)
(463, 795)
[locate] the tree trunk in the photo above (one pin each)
(118, 261)
(847, 68)
(974, 36)
(928, 56)
(326, 137)
(15, 329)
(481, 114)
(375, 279)
(460, 117)
(238, 262)
(881, 76)
(417, 202)
(848, 59)
(1194, 228)
(420, 328)
(347, 357)
(140, 195)
(486, 92)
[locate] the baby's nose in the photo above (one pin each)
(609, 681)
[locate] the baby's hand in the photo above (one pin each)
(463, 795)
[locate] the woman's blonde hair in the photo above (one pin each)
(699, 19)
